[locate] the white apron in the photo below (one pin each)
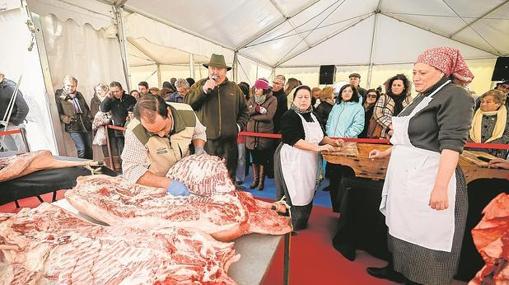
(409, 181)
(300, 167)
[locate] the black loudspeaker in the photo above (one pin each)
(327, 74)
(501, 71)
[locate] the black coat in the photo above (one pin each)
(73, 122)
(322, 113)
(119, 109)
(282, 107)
(20, 109)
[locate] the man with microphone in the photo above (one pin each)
(221, 107)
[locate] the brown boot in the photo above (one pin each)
(261, 176)
(256, 169)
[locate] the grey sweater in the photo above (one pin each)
(445, 122)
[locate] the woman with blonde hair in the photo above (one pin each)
(490, 124)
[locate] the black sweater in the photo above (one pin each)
(292, 129)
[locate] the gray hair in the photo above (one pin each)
(181, 82)
(282, 77)
(69, 78)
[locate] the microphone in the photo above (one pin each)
(213, 77)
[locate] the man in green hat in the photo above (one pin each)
(221, 107)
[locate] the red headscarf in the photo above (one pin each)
(449, 61)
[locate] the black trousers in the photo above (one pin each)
(225, 148)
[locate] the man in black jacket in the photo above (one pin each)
(18, 113)
(75, 115)
(120, 104)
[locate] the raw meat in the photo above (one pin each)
(20, 165)
(226, 216)
(491, 238)
(203, 174)
(47, 245)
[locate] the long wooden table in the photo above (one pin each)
(375, 169)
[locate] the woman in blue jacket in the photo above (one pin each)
(346, 120)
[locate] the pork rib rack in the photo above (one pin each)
(47, 245)
(226, 216)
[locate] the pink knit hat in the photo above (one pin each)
(262, 83)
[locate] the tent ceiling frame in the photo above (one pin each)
(274, 26)
(143, 50)
(324, 40)
(465, 22)
(303, 39)
(131, 9)
(273, 2)
(285, 35)
(479, 18)
(438, 34)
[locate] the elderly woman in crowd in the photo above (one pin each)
(372, 96)
(391, 104)
(490, 124)
(261, 108)
(424, 197)
(100, 119)
(296, 158)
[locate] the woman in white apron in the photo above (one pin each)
(424, 197)
(296, 158)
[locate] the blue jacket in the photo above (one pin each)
(345, 120)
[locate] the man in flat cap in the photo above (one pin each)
(221, 107)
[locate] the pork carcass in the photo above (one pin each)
(47, 245)
(203, 174)
(491, 238)
(226, 216)
(23, 164)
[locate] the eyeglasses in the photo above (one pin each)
(371, 96)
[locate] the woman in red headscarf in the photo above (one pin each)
(424, 197)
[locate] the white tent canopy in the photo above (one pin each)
(292, 33)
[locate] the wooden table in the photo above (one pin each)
(375, 169)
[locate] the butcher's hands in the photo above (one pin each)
(499, 163)
(336, 142)
(177, 188)
(438, 199)
(377, 154)
(325, 147)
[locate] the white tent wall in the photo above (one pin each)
(17, 60)
(79, 38)
(250, 70)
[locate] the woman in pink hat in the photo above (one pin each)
(261, 108)
(424, 197)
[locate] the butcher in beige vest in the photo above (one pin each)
(159, 136)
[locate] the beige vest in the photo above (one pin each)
(164, 152)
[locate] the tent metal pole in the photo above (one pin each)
(191, 65)
(122, 40)
(159, 78)
(373, 40)
(235, 66)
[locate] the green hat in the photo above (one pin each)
(217, 60)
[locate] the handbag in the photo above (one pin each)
(374, 129)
